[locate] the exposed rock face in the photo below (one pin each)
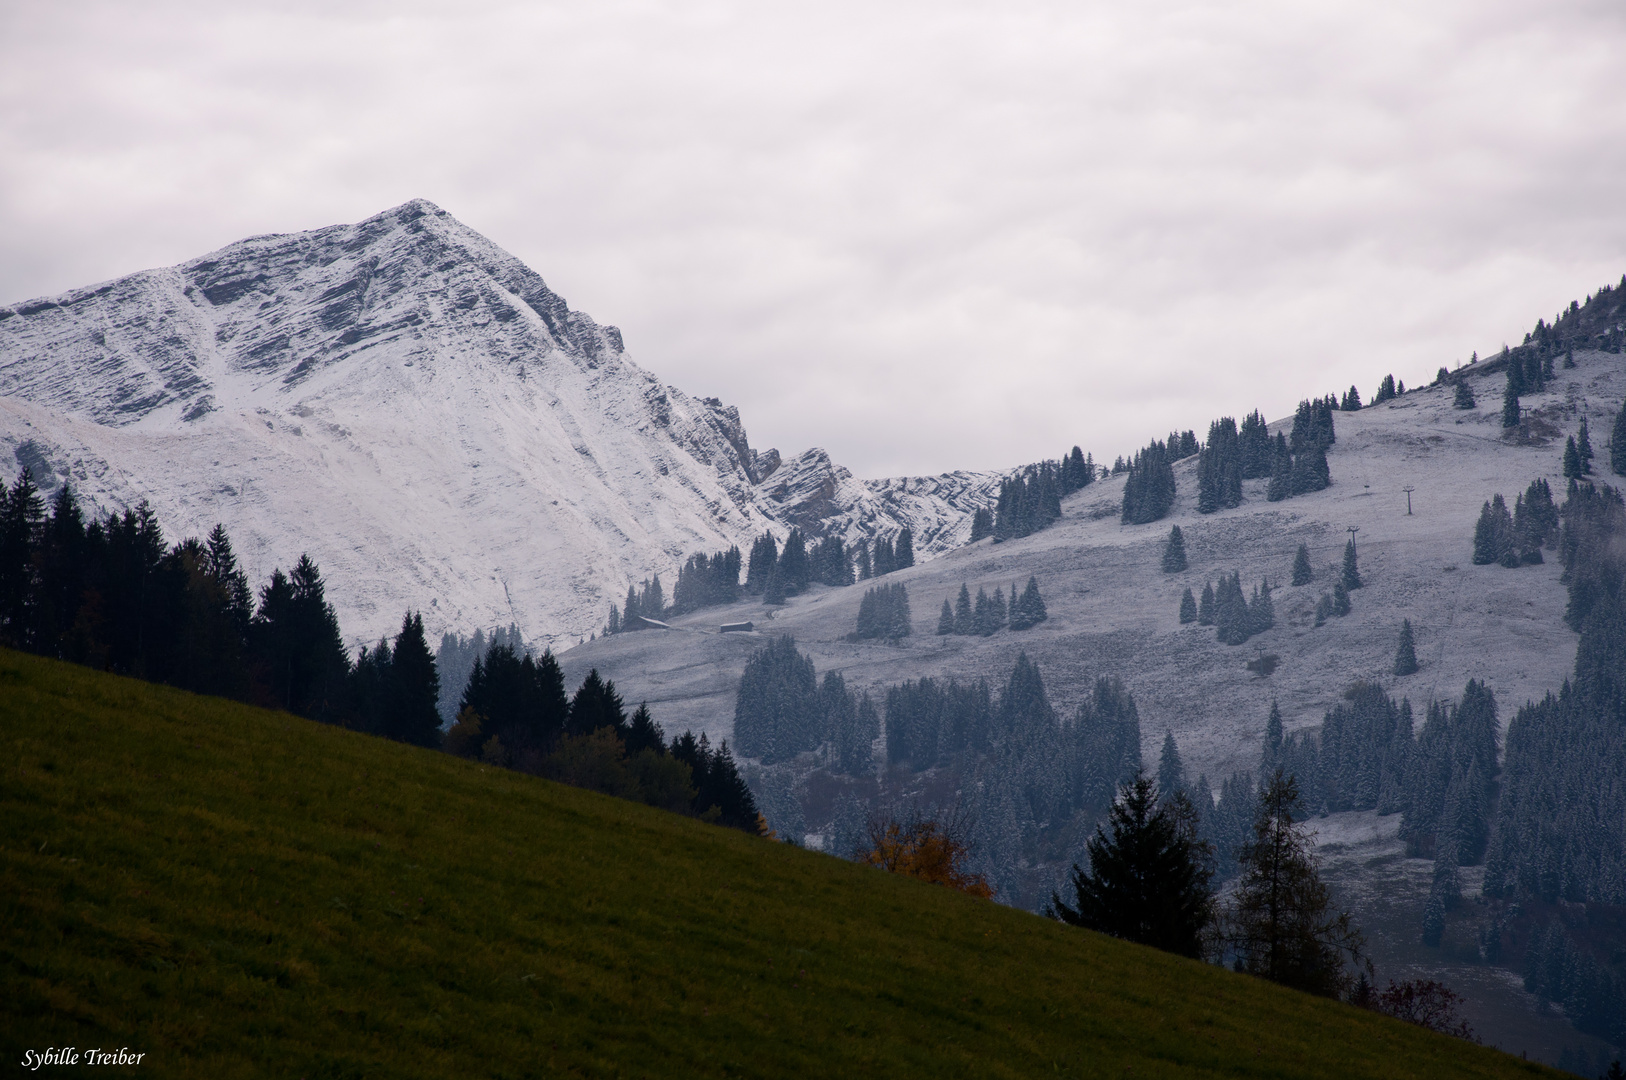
(418, 410)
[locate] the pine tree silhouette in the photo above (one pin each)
(1302, 573)
(1405, 653)
(1174, 552)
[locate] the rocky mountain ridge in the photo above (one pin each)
(418, 410)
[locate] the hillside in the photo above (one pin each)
(1112, 611)
(232, 891)
(419, 411)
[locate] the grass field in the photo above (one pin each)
(235, 892)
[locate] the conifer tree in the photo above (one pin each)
(643, 733)
(963, 616)
(1188, 607)
(982, 524)
(1302, 573)
(1583, 447)
(997, 613)
(1464, 395)
(1405, 652)
(1171, 773)
(1028, 609)
(1205, 606)
(1282, 926)
(1493, 534)
(1572, 460)
(1149, 881)
(1351, 576)
(1270, 756)
(1261, 610)
(1510, 402)
(414, 687)
(1323, 609)
(1281, 472)
(945, 621)
(1617, 443)
(1340, 599)
(904, 554)
(773, 590)
(1174, 552)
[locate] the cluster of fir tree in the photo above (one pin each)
(1557, 829)
(1516, 539)
(1151, 881)
(1028, 502)
(883, 613)
(987, 615)
(111, 594)
(515, 714)
(456, 656)
(1442, 781)
(775, 573)
(1225, 824)
(1026, 779)
(707, 581)
(1031, 499)
(1149, 485)
(1595, 324)
(1234, 615)
(1182, 444)
(1528, 372)
(782, 710)
(1298, 462)
(1577, 460)
(1230, 457)
(1334, 604)
(646, 600)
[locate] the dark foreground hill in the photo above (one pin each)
(235, 892)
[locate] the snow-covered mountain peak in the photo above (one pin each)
(417, 409)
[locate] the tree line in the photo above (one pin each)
(772, 571)
(111, 594)
(988, 615)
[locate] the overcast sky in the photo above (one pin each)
(926, 236)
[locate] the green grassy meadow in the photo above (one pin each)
(237, 892)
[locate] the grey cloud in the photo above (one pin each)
(926, 236)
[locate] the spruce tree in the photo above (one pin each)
(1464, 396)
(1174, 552)
(1405, 652)
(1572, 460)
(643, 733)
(1351, 576)
(1340, 600)
(904, 554)
(982, 524)
(1205, 606)
(1493, 533)
(1510, 402)
(1149, 881)
(773, 590)
(997, 609)
(1188, 607)
(1583, 447)
(1171, 772)
(963, 617)
(414, 687)
(1302, 573)
(945, 621)
(1028, 609)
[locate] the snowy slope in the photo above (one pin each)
(1114, 612)
(419, 411)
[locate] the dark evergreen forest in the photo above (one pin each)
(111, 594)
